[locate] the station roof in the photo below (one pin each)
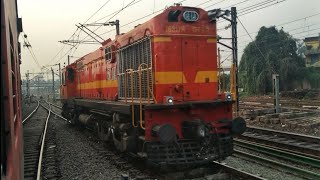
(314, 38)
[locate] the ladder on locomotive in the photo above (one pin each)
(149, 92)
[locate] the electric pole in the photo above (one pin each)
(117, 24)
(235, 50)
(60, 72)
(276, 99)
(68, 60)
(28, 88)
(53, 92)
(38, 85)
(214, 15)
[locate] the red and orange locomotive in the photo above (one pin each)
(153, 91)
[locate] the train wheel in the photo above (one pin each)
(74, 118)
(104, 131)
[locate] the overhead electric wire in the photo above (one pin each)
(235, 4)
(141, 18)
(117, 12)
(97, 11)
(291, 34)
(242, 35)
(128, 5)
(204, 3)
(76, 32)
(114, 12)
(241, 14)
(253, 10)
(54, 57)
(299, 19)
(251, 38)
(138, 19)
(287, 31)
(255, 5)
(225, 58)
(32, 55)
(275, 45)
(213, 4)
(34, 58)
(30, 49)
(271, 47)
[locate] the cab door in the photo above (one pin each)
(190, 67)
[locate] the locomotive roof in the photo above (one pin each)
(158, 25)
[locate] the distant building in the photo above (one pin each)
(313, 51)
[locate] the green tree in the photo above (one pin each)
(272, 51)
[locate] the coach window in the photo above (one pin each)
(108, 54)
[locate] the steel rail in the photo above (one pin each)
(237, 172)
(56, 114)
(278, 153)
(57, 106)
(284, 102)
(31, 114)
(273, 164)
(42, 143)
(297, 136)
(296, 143)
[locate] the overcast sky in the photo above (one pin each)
(48, 21)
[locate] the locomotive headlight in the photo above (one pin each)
(190, 16)
(168, 100)
(228, 97)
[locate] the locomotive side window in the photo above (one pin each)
(108, 53)
(63, 77)
(71, 74)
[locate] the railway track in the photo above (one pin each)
(285, 102)
(291, 142)
(289, 147)
(57, 106)
(237, 173)
(300, 172)
(39, 145)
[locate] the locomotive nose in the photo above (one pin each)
(238, 126)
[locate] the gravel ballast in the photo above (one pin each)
(82, 156)
(28, 108)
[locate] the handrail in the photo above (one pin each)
(132, 102)
(125, 87)
(140, 90)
